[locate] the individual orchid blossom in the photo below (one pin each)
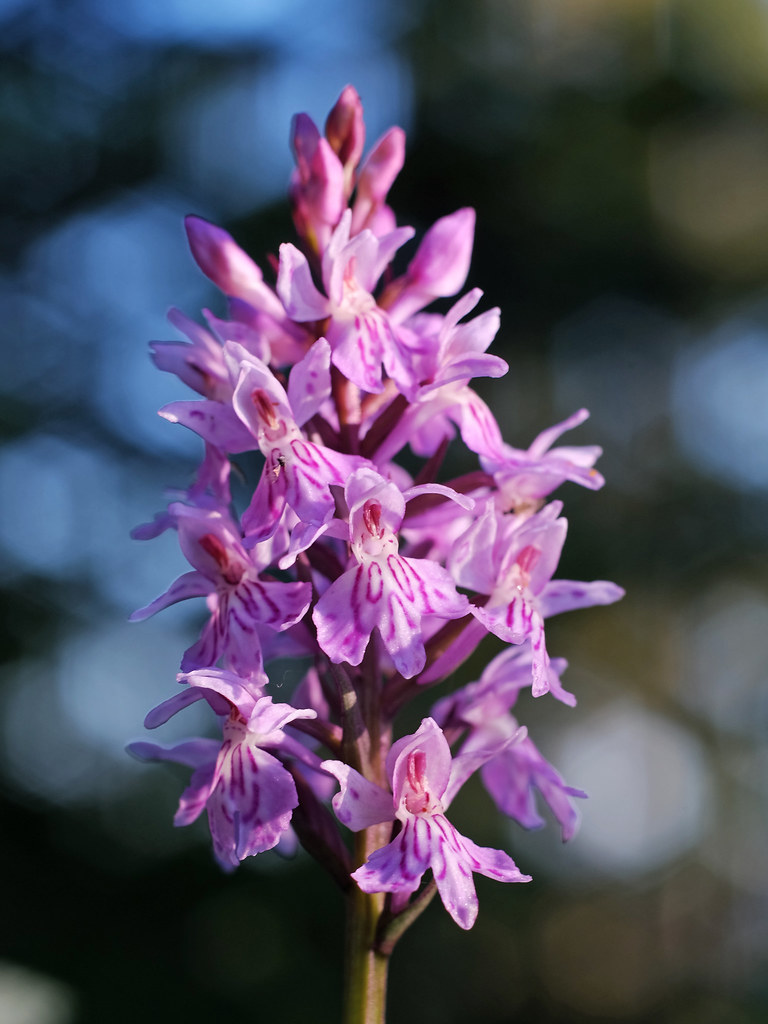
(239, 598)
(325, 532)
(514, 774)
(385, 591)
(248, 793)
(423, 779)
(298, 472)
(528, 476)
(361, 334)
(458, 352)
(446, 354)
(260, 414)
(200, 365)
(514, 777)
(512, 560)
(497, 689)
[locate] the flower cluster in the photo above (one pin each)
(380, 583)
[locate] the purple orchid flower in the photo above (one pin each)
(446, 354)
(330, 376)
(385, 590)
(200, 365)
(253, 304)
(523, 477)
(512, 560)
(360, 333)
(518, 770)
(248, 793)
(423, 780)
(239, 599)
(298, 472)
(451, 350)
(514, 776)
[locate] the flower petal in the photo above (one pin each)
(360, 803)
(567, 595)
(400, 865)
(302, 300)
(191, 584)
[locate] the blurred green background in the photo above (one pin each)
(617, 156)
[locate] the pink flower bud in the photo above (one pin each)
(318, 186)
(441, 264)
(222, 260)
(378, 173)
(304, 139)
(438, 269)
(345, 131)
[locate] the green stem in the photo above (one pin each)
(365, 984)
(392, 927)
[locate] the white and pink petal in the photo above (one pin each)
(359, 803)
(568, 595)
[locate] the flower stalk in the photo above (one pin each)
(366, 966)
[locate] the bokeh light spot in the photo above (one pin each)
(648, 786)
(720, 404)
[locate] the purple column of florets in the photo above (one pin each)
(381, 582)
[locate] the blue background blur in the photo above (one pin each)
(617, 156)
